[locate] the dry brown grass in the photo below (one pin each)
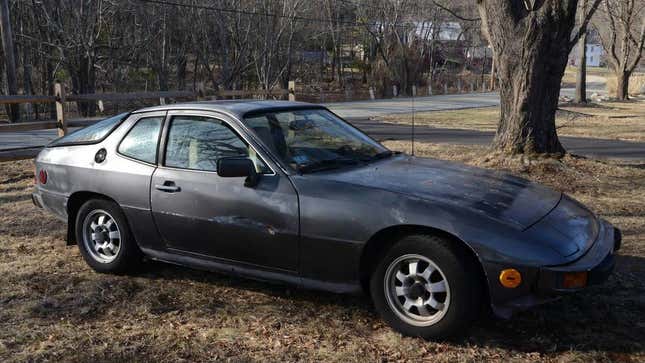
(53, 307)
(569, 78)
(609, 120)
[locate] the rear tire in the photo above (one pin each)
(427, 286)
(104, 238)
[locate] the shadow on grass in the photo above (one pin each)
(605, 318)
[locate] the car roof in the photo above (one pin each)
(238, 108)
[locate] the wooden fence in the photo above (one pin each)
(62, 124)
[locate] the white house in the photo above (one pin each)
(594, 55)
(444, 31)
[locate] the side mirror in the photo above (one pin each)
(236, 167)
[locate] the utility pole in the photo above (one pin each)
(9, 56)
(581, 76)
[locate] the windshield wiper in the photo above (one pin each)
(378, 156)
(326, 164)
(383, 155)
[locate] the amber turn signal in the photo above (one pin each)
(510, 278)
(574, 280)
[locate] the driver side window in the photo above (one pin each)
(196, 143)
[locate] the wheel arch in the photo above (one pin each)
(381, 241)
(74, 203)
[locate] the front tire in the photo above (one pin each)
(426, 286)
(104, 238)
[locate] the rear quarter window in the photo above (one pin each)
(91, 134)
(141, 141)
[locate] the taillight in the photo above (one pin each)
(42, 176)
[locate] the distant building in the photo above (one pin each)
(479, 52)
(446, 31)
(595, 54)
(426, 31)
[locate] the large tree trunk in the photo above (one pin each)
(531, 43)
(528, 105)
(622, 85)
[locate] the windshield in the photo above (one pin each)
(314, 139)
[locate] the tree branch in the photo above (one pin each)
(453, 13)
(583, 26)
(639, 50)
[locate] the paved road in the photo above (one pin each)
(595, 148)
(356, 109)
(368, 109)
(360, 113)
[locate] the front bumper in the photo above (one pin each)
(546, 283)
(598, 263)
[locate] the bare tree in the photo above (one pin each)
(621, 25)
(9, 56)
(273, 41)
(78, 29)
(531, 40)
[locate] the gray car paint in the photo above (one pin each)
(312, 229)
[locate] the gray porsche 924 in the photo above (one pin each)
(290, 192)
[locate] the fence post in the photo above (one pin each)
(429, 89)
(162, 100)
(472, 87)
(414, 91)
(445, 88)
(395, 91)
(372, 97)
(60, 115)
(459, 85)
(292, 90)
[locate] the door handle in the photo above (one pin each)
(168, 187)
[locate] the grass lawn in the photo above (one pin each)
(53, 307)
(570, 73)
(609, 120)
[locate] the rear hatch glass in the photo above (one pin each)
(91, 134)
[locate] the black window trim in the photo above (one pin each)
(161, 127)
(94, 142)
(163, 145)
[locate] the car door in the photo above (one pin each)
(199, 213)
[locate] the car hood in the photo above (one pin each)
(497, 195)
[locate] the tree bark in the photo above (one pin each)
(622, 85)
(531, 43)
(86, 84)
(9, 57)
(581, 76)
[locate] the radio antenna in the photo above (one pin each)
(414, 91)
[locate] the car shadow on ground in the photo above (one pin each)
(606, 318)
(602, 318)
